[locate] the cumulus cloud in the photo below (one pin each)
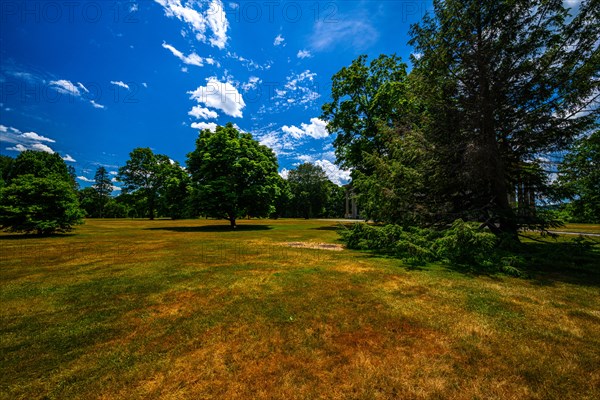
(334, 173)
(42, 147)
(18, 147)
(211, 126)
(284, 173)
(121, 84)
(303, 54)
(84, 179)
(35, 137)
(220, 95)
(279, 40)
(199, 112)
(198, 21)
(317, 129)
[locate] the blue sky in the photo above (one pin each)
(91, 80)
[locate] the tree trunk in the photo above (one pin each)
(231, 219)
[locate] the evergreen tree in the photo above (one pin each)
(503, 82)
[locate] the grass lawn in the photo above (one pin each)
(191, 310)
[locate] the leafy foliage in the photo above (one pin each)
(39, 197)
(233, 175)
(144, 172)
(579, 179)
(310, 190)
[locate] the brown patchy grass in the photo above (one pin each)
(189, 309)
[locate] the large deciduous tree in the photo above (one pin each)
(504, 82)
(39, 196)
(377, 121)
(233, 175)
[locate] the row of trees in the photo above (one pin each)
(496, 87)
(229, 175)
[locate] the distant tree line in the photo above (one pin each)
(229, 176)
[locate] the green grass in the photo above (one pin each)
(190, 309)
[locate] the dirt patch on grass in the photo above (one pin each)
(313, 245)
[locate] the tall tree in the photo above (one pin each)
(377, 120)
(103, 188)
(504, 82)
(39, 196)
(310, 190)
(143, 173)
(233, 174)
(366, 99)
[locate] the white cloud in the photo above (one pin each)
(65, 87)
(303, 54)
(68, 158)
(82, 87)
(280, 144)
(300, 90)
(120, 83)
(42, 147)
(217, 21)
(69, 88)
(293, 80)
(199, 112)
(356, 33)
(3, 128)
(96, 105)
(317, 129)
(284, 173)
(35, 137)
(116, 188)
(211, 126)
(279, 40)
(252, 83)
(133, 8)
(84, 179)
(213, 17)
(249, 64)
(144, 84)
(192, 59)
(220, 95)
(334, 173)
(113, 173)
(18, 147)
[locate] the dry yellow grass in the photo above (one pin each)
(187, 310)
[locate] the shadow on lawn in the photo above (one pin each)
(212, 228)
(543, 264)
(25, 236)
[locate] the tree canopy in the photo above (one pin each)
(233, 175)
(39, 196)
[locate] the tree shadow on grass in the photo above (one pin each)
(543, 264)
(25, 236)
(212, 228)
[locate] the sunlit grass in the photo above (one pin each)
(189, 309)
